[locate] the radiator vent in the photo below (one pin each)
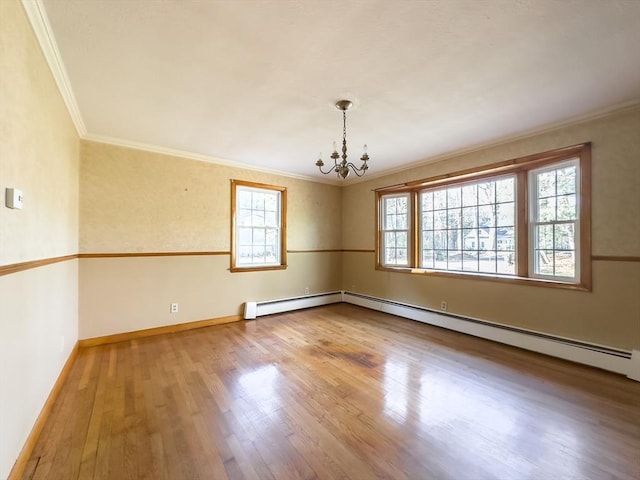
(258, 309)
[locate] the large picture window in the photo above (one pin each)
(257, 226)
(524, 219)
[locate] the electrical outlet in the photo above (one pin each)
(306, 290)
(174, 308)
(443, 305)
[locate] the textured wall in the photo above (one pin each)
(609, 315)
(137, 201)
(134, 201)
(39, 155)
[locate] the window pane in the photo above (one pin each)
(547, 209)
(506, 263)
(258, 236)
(470, 217)
(244, 236)
(427, 258)
(470, 261)
(470, 236)
(505, 238)
(244, 218)
(257, 218)
(440, 239)
(486, 193)
(390, 256)
(401, 239)
(544, 262)
(390, 239)
(390, 206)
(401, 222)
(454, 197)
(427, 220)
(244, 199)
(505, 190)
(272, 238)
(401, 205)
(257, 202)
(469, 195)
(544, 236)
(565, 265)
(454, 241)
(271, 203)
(271, 219)
(427, 239)
(440, 261)
(566, 207)
(440, 219)
(564, 237)
(546, 184)
(566, 180)
(505, 214)
(454, 260)
(258, 254)
(427, 200)
(453, 218)
(439, 199)
(244, 254)
(486, 216)
(487, 262)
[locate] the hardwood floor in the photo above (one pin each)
(335, 392)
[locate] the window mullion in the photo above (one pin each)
(414, 234)
(523, 233)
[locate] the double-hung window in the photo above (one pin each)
(523, 219)
(258, 226)
(395, 229)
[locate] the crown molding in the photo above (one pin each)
(549, 127)
(40, 23)
(119, 142)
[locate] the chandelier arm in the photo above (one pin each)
(331, 169)
(356, 169)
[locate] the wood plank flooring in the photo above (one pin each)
(336, 392)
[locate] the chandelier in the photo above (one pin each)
(343, 167)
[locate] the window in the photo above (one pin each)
(258, 226)
(395, 229)
(554, 226)
(469, 227)
(526, 219)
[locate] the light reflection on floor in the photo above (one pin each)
(489, 416)
(259, 388)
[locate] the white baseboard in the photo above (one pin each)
(612, 359)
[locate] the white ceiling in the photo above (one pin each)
(255, 81)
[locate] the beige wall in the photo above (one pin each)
(609, 315)
(134, 201)
(39, 155)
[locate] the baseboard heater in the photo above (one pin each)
(258, 309)
(607, 358)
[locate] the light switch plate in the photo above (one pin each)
(13, 198)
